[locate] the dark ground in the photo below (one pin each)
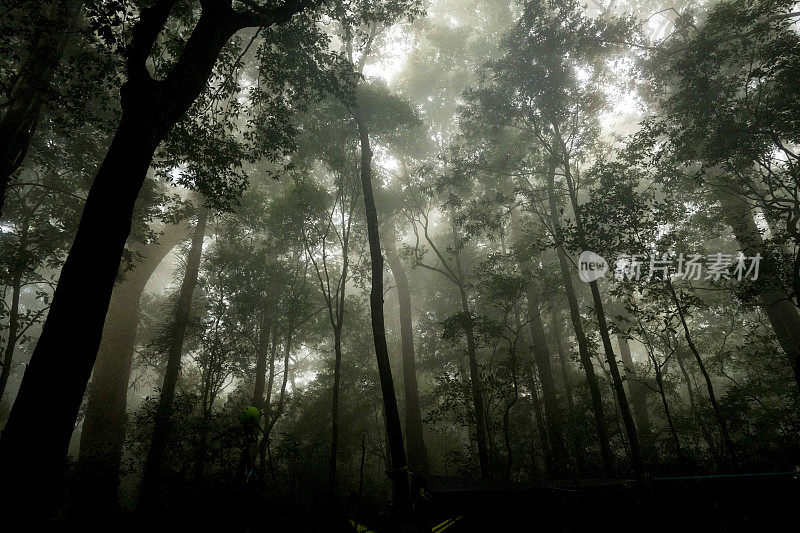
(679, 505)
(760, 503)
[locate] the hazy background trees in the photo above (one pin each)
(198, 198)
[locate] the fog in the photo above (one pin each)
(399, 265)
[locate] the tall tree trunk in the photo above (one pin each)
(512, 353)
(577, 325)
(667, 413)
(272, 419)
(271, 380)
(712, 397)
(690, 388)
(476, 387)
(624, 408)
(13, 317)
(361, 466)
(33, 454)
(287, 356)
(538, 414)
(262, 357)
(541, 355)
(13, 330)
(263, 360)
(151, 477)
(775, 301)
(399, 473)
(337, 314)
(463, 364)
(638, 392)
(337, 375)
(103, 431)
(686, 377)
(267, 405)
(206, 406)
(29, 92)
(569, 393)
(415, 443)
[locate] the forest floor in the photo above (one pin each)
(714, 503)
(693, 503)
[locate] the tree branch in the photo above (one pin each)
(265, 17)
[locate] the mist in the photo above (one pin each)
(399, 265)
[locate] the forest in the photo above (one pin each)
(399, 265)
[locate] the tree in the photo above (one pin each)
(152, 469)
(453, 270)
(415, 443)
(150, 108)
(726, 120)
(320, 233)
(40, 221)
(399, 473)
(553, 42)
(372, 18)
(104, 425)
(50, 33)
(543, 360)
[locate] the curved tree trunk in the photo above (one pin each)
(33, 454)
(104, 424)
(690, 388)
(260, 384)
(712, 397)
(624, 408)
(399, 473)
(667, 413)
(287, 355)
(262, 362)
(686, 377)
(775, 301)
(151, 477)
(415, 443)
(577, 325)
